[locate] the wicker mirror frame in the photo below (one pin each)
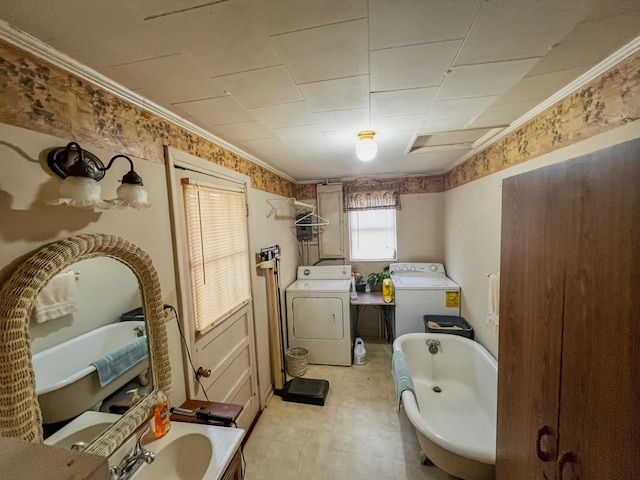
(20, 414)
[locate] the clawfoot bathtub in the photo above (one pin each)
(454, 408)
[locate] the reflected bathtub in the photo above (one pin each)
(66, 382)
(456, 426)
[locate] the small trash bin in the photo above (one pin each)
(451, 324)
(297, 361)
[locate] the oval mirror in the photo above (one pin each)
(109, 264)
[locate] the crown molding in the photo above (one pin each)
(46, 52)
(607, 64)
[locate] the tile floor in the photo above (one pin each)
(357, 435)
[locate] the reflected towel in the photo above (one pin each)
(57, 298)
(401, 375)
(121, 360)
(493, 315)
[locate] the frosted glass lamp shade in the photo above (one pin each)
(80, 192)
(366, 148)
(131, 196)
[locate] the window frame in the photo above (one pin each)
(389, 230)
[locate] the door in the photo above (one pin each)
(569, 364)
(225, 352)
(318, 318)
(331, 238)
(599, 422)
(530, 327)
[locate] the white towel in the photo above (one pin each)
(57, 298)
(493, 316)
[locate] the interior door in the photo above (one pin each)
(227, 350)
(530, 327)
(599, 421)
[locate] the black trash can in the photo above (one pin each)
(451, 324)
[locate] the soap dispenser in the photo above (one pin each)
(162, 420)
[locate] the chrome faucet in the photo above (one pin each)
(139, 331)
(434, 346)
(132, 462)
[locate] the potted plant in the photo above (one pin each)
(375, 279)
(361, 283)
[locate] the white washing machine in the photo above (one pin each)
(422, 289)
(318, 314)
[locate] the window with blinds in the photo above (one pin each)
(372, 234)
(218, 251)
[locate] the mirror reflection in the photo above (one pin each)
(89, 346)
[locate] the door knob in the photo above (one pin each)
(206, 373)
(568, 462)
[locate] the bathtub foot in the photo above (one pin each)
(143, 378)
(424, 460)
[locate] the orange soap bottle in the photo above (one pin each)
(161, 415)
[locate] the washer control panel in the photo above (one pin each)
(418, 268)
(324, 272)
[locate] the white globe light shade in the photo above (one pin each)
(366, 149)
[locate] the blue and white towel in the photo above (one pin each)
(401, 375)
(119, 361)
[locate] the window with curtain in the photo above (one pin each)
(218, 251)
(372, 234)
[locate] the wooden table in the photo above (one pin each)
(374, 299)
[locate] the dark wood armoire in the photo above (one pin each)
(569, 346)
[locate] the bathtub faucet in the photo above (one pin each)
(132, 462)
(434, 346)
(139, 331)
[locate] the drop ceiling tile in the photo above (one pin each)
(441, 126)
(350, 92)
(402, 102)
(260, 88)
(463, 109)
(285, 115)
(272, 151)
(411, 67)
(502, 115)
(280, 16)
(344, 119)
(343, 142)
(92, 40)
(580, 49)
(531, 27)
(607, 8)
(540, 87)
(164, 79)
(394, 23)
(305, 133)
(484, 80)
(240, 132)
(396, 124)
(323, 53)
(215, 111)
(224, 37)
(313, 149)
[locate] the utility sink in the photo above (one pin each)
(85, 428)
(190, 451)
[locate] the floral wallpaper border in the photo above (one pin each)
(607, 102)
(42, 97)
(39, 96)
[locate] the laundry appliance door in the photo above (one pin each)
(318, 318)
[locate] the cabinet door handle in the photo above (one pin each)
(567, 458)
(544, 431)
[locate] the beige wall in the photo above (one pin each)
(472, 228)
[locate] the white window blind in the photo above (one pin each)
(372, 234)
(218, 251)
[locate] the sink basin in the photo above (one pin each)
(189, 451)
(186, 458)
(84, 428)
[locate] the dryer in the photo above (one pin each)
(422, 289)
(318, 314)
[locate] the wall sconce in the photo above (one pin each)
(366, 148)
(81, 171)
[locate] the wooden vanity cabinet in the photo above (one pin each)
(569, 346)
